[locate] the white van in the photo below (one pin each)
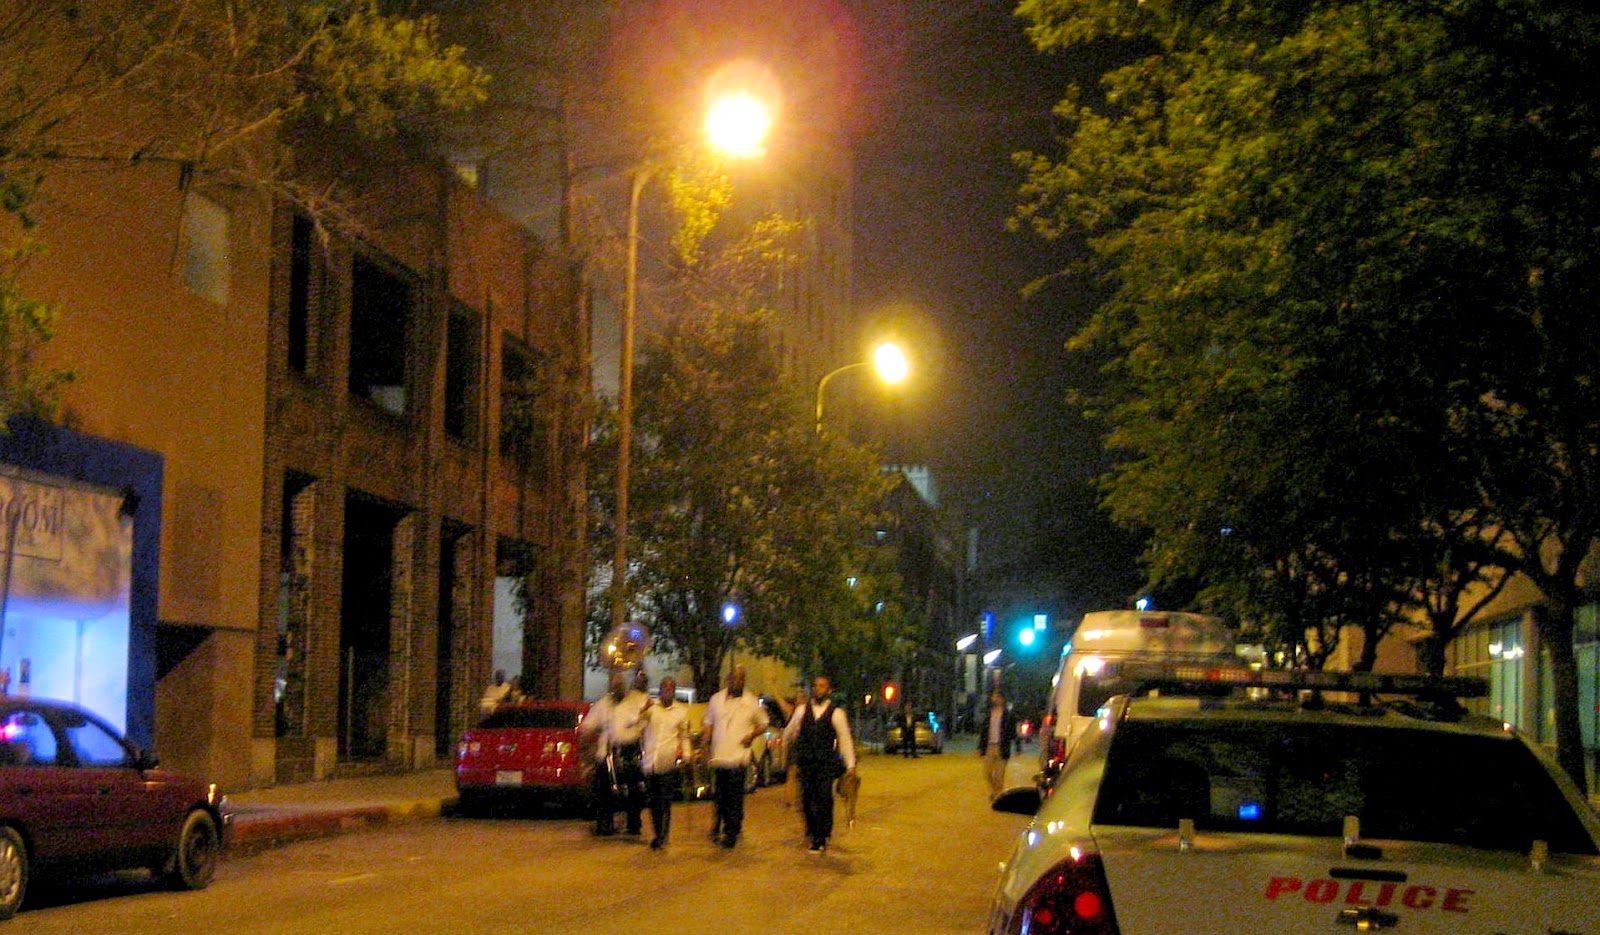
(1121, 635)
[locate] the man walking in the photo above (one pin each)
(819, 734)
(618, 780)
(995, 739)
(733, 721)
(666, 747)
(908, 731)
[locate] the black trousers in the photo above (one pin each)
(816, 797)
(730, 802)
(619, 788)
(659, 790)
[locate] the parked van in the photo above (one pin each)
(1120, 635)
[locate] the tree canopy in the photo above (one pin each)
(736, 497)
(1350, 249)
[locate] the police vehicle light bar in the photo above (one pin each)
(1298, 679)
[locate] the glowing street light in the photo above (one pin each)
(737, 123)
(887, 359)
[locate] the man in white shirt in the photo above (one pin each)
(666, 747)
(619, 781)
(734, 719)
(818, 736)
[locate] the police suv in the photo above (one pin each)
(1107, 636)
(1241, 801)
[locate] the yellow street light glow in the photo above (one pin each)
(891, 363)
(737, 124)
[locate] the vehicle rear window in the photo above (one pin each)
(1095, 692)
(547, 718)
(1281, 778)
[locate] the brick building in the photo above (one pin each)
(352, 436)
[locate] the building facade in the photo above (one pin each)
(356, 435)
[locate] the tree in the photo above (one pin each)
(735, 496)
(1348, 244)
(221, 91)
(735, 499)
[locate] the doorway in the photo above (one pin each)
(365, 624)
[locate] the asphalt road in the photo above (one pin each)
(921, 858)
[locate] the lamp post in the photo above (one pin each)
(888, 359)
(736, 125)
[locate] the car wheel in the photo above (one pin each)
(764, 771)
(13, 872)
(194, 859)
(751, 778)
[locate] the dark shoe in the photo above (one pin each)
(657, 844)
(728, 843)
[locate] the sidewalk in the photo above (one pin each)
(264, 818)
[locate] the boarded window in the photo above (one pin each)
(206, 251)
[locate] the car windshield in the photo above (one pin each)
(547, 718)
(1281, 778)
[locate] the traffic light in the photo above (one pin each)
(1027, 636)
(890, 692)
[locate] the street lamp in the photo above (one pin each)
(887, 358)
(736, 125)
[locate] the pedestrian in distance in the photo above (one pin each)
(666, 749)
(496, 694)
(818, 733)
(733, 720)
(908, 731)
(996, 737)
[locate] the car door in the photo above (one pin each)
(135, 812)
(38, 792)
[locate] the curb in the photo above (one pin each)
(249, 834)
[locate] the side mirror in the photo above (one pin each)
(1018, 800)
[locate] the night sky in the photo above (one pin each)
(959, 89)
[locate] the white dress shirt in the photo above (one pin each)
(730, 721)
(841, 729)
(666, 736)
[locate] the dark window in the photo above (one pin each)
(522, 424)
(460, 373)
(532, 719)
(1303, 779)
(381, 308)
(301, 264)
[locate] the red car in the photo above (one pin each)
(529, 751)
(75, 795)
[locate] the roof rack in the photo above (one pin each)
(1365, 683)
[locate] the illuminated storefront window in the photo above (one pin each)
(66, 556)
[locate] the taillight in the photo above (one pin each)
(1071, 899)
(1058, 754)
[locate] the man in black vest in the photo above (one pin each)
(819, 734)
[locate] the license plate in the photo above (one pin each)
(508, 777)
